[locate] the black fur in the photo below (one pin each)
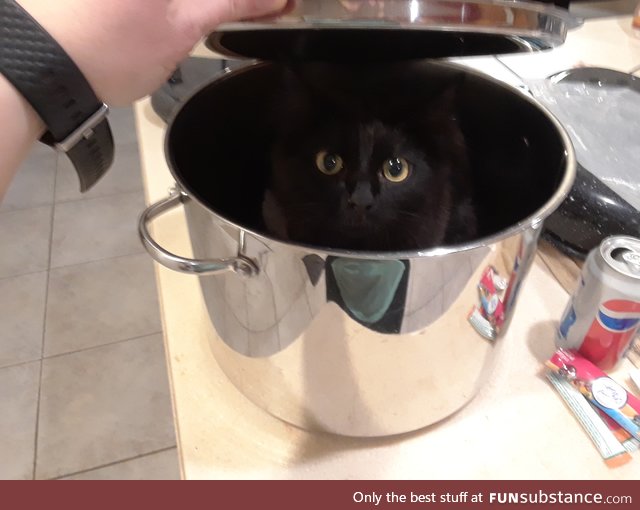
(366, 117)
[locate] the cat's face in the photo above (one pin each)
(358, 181)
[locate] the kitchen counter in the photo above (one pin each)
(517, 426)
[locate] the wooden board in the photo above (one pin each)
(564, 269)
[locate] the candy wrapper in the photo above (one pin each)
(602, 391)
(487, 317)
(630, 443)
(607, 442)
(489, 288)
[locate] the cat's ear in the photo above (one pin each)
(308, 94)
(329, 87)
(445, 102)
(292, 104)
(438, 112)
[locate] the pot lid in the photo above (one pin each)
(348, 30)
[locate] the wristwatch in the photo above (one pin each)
(42, 72)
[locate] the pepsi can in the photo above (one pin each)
(603, 315)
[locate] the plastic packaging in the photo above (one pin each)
(605, 440)
(604, 124)
(602, 391)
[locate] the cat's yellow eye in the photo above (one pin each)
(327, 163)
(395, 169)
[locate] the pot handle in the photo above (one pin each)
(238, 264)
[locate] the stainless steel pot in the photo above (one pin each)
(357, 343)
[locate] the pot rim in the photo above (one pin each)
(534, 220)
(532, 25)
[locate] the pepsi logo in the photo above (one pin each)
(619, 315)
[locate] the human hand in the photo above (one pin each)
(128, 48)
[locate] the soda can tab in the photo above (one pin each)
(602, 391)
(603, 315)
(632, 260)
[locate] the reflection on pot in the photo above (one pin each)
(311, 336)
(372, 292)
(488, 317)
(263, 314)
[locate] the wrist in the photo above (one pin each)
(29, 123)
(49, 79)
(67, 23)
(124, 48)
(26, 128)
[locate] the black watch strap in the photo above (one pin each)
(50, 81)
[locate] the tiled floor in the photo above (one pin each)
(83, 384)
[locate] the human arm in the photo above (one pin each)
(125, 49)
(20, 127)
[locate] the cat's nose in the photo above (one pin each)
(361, 198)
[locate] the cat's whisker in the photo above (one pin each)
(409, 214)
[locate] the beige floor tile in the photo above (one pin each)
(33, 184)
(96, 229)
(22, 303)
(123, 125)
(103, 405)
(24, 236)
(101, 302)
(157, 466)
(18, 402)
(123, 177)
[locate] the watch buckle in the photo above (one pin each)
(84, 130)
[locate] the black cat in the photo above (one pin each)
(368, 160)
